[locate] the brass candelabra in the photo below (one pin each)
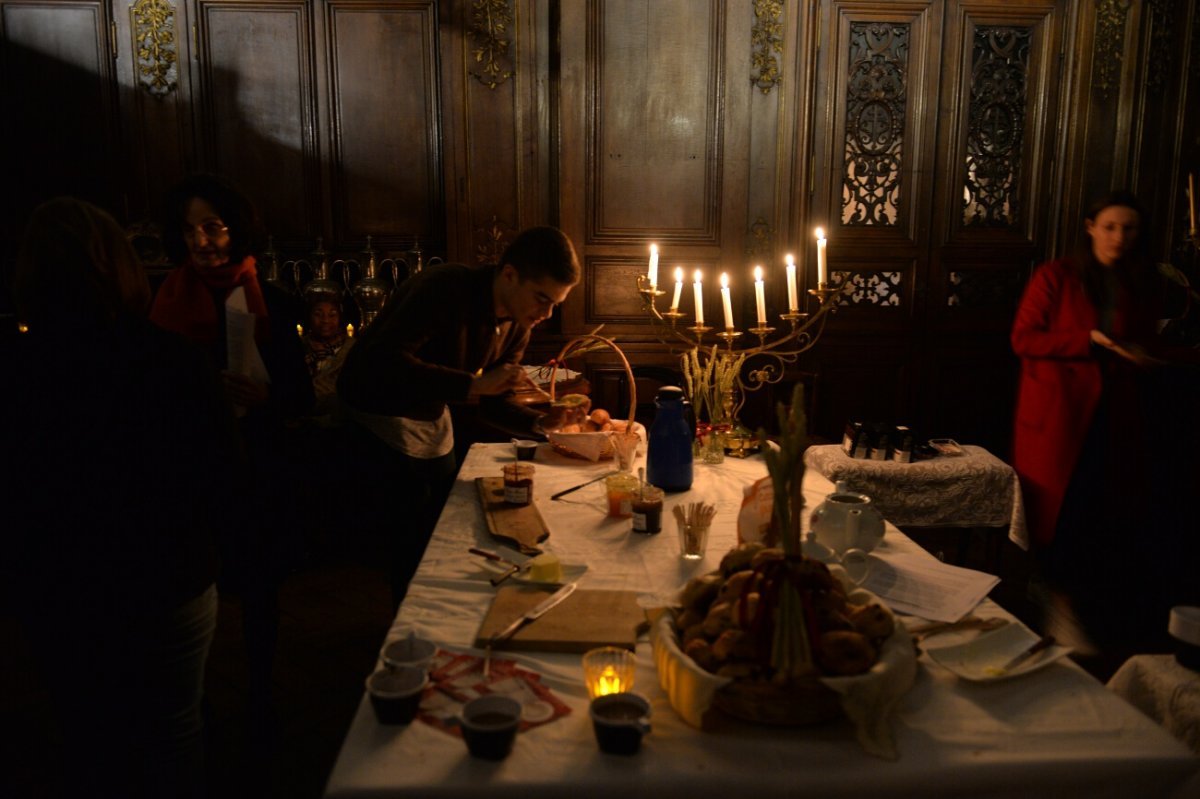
(719, 374)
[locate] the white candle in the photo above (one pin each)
(793, 303)
(822, 268)
(699, 277)
(760, 299)
(678, 288)
(652, 272)
(1192, 202)
(726, 301)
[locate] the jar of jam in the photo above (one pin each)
(647, 510)
(518, 483)
(621, 489)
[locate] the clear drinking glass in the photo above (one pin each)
(693, 540)
(625, 445)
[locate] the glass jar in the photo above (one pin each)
(518, 483)
(621, 488)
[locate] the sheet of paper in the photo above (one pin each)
(926, 587)
(242, 352)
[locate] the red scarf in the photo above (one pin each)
(184, 304)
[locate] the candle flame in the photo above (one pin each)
(820, 233)
(654, 249)
(698, 276)
(758, 273)
(724, 280)
(790, 260)
(679, 274)
(350, 331)
(608, 682)
(299, 330)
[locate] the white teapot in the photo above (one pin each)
(847, 520)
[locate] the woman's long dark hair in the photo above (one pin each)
(235, 209)
(1136, 271)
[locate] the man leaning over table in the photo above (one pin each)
(451, 333)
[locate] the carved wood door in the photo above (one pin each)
(936, 144)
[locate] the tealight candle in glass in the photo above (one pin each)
(608, 670)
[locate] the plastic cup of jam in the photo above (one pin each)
(621, 489)
(619, 721)
(396, 693)
(647, 510)
(518, 483)
(489, 725)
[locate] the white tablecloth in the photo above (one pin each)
(1054, 733)
(975, 489)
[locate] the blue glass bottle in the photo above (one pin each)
(669, 444)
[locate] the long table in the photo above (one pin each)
(1053, 733)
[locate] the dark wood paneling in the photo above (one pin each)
(60, 107)
(256, 117)
(385, 129)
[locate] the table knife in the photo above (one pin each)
(534, 613)
(572, 489)
(1042, 643)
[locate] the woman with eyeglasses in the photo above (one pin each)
(248, 328)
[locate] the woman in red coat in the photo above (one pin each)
(1084, 331)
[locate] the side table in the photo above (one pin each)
(1165, 691)
(973, 490)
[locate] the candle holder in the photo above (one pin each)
(608, 670)
(714, 372)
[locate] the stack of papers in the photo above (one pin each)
(922, 586)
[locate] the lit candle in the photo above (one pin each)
(793, 302)
(652, 272)
(699, 277)
(299, 330)
(1192, 202)
(609, 682)
(350, 331)
(678, 288)
(822, 268)
(726, 302)
(760, 299)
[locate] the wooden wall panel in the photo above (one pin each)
(655, 134)
(256, 115)
(60, 108)
(385, 123)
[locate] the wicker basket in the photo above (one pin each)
(573, 445)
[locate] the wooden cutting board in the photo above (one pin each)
(517, 526)
(584, 620)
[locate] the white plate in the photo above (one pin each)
(981, 658)
(570, 572)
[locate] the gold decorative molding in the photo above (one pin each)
(491, 241)
(761, 239)
(1111, 16)
(766, 39)
(154, 46)
(490, 20)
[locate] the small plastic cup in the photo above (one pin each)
(489, 725)
(408, 651)
(396, 693)
(526, 449)
(619, 721)
(608, 670)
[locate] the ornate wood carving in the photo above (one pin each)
(996, 126)
(155, 55)
(761, 239)
(875, 104)
(490, 241)
(766, 39)
(1111, 16)
(490, 21)
(867, 287)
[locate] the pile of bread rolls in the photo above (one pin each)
(726, 622)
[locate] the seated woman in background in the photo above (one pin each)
(125, 456)
(248, 328)
(327, 344)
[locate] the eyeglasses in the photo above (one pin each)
(211, 230)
